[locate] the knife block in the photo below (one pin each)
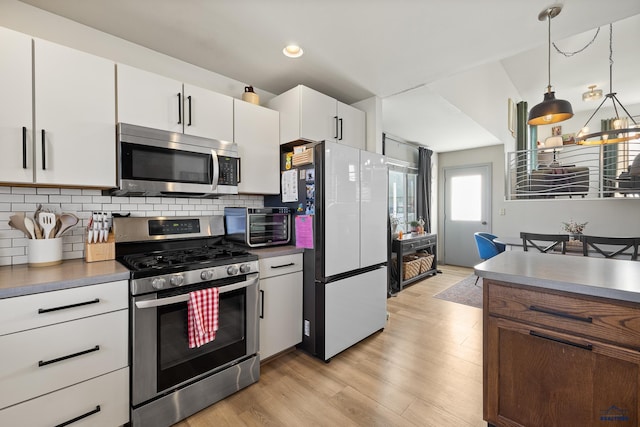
(100, 251)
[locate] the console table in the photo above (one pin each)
(409, 244)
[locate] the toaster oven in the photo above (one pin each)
(256, 227)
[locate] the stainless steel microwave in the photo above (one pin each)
(153, 162)
(257, 227)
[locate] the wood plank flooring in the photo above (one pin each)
(424, 369)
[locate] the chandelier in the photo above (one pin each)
(622, 129)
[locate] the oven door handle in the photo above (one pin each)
(253, 279)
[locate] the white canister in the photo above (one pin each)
(44, 252)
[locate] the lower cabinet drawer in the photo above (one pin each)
(589, 317)
(102, 401)
(276, 266)
(43, 360)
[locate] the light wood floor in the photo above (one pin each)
(424, 369)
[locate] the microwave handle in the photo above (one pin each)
(239, 176)
(215, 169)
(185, 297)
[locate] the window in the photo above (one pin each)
(402, 196)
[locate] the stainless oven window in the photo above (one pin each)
(177, 362)
(148, 163)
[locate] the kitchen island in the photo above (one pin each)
(561, 340)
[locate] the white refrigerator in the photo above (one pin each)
(345, 274)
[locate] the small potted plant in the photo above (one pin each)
(574, 228)
(414, 226)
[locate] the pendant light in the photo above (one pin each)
(550, 110)
(622, 130)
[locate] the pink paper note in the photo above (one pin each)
(304, 231)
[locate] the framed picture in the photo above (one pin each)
(556, 131)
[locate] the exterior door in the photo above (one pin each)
(467, 209)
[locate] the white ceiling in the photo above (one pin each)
(443, 68)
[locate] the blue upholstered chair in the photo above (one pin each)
(487, 248)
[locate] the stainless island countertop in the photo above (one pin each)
(599, 277)
(19, 280)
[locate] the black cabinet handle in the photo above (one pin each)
(179, 108)
(189, 98)
(283, 265)
(261, 304)
(341, 134)
(24, 147)
(561, 314)
(78, 418)
(561, 341)
(64, 307)
(69, 356)
(44, 164)
(336, 119)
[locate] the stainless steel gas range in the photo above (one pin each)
(169, 258)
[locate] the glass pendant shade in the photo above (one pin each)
(550, 110)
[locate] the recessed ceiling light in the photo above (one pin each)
(293, 51)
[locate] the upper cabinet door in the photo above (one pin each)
(16, 161)
(374, 192)
(207, 114)
(351, 126)
(256, 132)
(318, 116)
(75, 108)
(148, 99)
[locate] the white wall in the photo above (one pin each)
(606, 217)
(373, 110)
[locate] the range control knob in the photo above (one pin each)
(176, 280)
(232, 270)
(158, 283)
(245, 268)
(206, 275)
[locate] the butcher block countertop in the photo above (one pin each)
(599, 277)
(19, 280)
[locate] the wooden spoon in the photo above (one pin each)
(67, 220)
(28, 223)
(17, 221)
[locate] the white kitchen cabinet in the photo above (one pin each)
(66, 346)
(16, 161)
(281, 303)
(75, 117)
(154, 101)
(308, 114)
(74, 136)
(256, 131)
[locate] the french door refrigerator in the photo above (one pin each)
(344, 193)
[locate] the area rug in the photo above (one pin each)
(464, 292)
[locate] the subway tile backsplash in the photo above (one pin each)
(81, 202)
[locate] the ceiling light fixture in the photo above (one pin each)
(293, 51)
(550, 110)
(621, 130)
(592, 94)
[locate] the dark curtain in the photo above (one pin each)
(521, 145)
(423, 189)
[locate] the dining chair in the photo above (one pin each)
(487, 247)
(611, 247)
(535, 239)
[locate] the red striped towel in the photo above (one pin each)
(202, 316)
